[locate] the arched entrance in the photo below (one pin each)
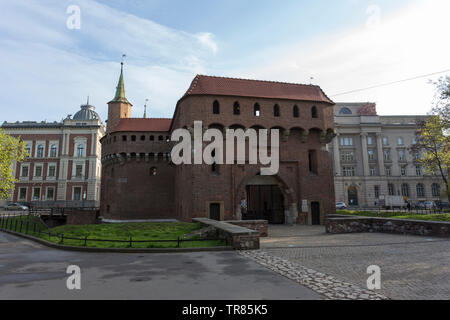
(353, 196)
(265, 200)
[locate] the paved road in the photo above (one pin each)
(29, 271)
(413, 267)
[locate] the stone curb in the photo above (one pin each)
(115, 250)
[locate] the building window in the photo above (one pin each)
(80, 151)
(77, 193)
(345, 111)
(236, 109)
(25, 171)
(38, 171)
(416, 156)
(400, 141)
(314, 114)
(403, 171)
(79, 171)
(153, 171)
(50, 193)
(385, 141)
(436, 190)
(133, 138)
(391, 189)
(418, 171)
(388, 171)
(387, 155)
(28, 149)
(216, 107)
(22, 193)
(420, 190)
(142, 138)
(405, 190)
(36, 194)
(348, 156)
(346, 141)
(52, 171)
(53, 151)
(257, 110)
(373, 171)
(371, 155)
(152, 138)
(401, 155)
(124, 138)
(349, 171)
(312, 158)
(296, 112)
(377, 192)
(369, 141)
(160, 138)
(276, 110)
(40, 151)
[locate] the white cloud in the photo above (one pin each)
(409, 43)
(48, 70)
(207, 39)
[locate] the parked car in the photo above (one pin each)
(341, 206)
(16, 207)
(429, 204)
(418, 205)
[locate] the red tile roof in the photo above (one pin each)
(141, 124)
(256, 88)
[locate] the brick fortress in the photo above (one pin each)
(140, 182)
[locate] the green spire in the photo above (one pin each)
(120, 90)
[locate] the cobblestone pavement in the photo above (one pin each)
(412, 267)
(323, 284)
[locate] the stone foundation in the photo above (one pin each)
(262, 226)
(239, 238)
(345, 224)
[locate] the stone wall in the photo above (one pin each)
(239, 238)
(340, 224)
(82, 217)
(262, 226)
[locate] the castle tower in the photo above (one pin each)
(119, 107)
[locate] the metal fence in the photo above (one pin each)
(33, 228)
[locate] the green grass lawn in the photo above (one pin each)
(397, 215)
(120, 231)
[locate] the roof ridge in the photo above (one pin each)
(256, 80)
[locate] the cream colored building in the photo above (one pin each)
(372, 159)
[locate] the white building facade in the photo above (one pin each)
(372, 158)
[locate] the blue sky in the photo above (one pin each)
(48, 69)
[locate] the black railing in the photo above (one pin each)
(33, 228)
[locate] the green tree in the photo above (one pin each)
(11, 149)
(433, 135)
(442, 103)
